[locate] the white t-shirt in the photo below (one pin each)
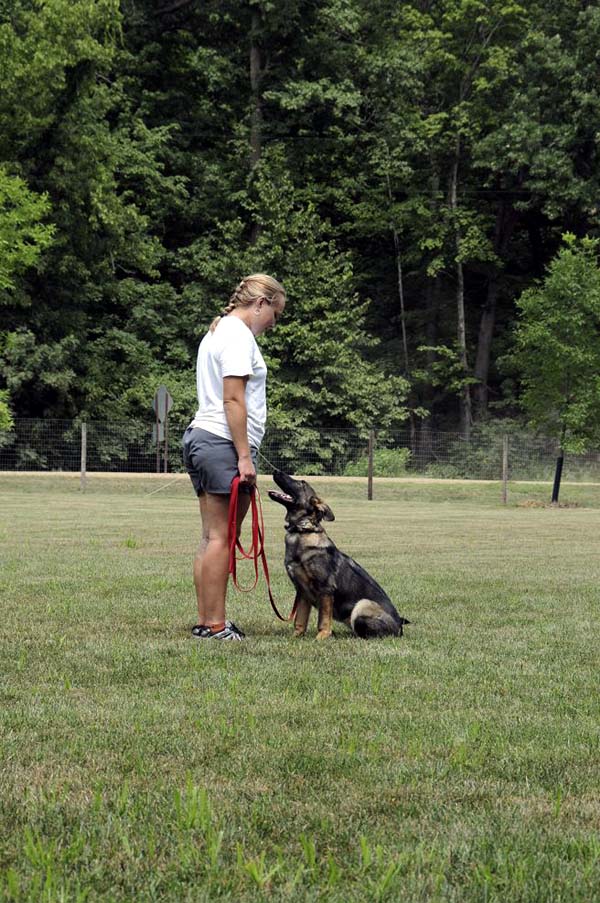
(230, 350)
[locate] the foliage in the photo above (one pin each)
(443, 370)
(387, 462)
(6, 420)
(558, 346)
(370, 154)
(23, 235)
(481, 457)
(320, 373)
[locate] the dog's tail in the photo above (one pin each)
(368, 619)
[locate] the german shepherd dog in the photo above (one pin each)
(323, 576)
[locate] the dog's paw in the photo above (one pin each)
(324, 635)
(299, 633)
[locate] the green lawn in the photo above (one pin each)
(460, 763)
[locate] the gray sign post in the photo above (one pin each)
(162, 404)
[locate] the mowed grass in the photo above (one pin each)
(460, 762)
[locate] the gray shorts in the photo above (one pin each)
(211, 462)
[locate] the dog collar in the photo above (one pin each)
(305, 526)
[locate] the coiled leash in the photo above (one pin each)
(257, 547)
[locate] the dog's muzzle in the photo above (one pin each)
(280, 496)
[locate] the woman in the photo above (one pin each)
(223, 439)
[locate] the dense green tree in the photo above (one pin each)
(271, 223)
(319, 374)
(537, 159)
(102, 167)
(558, 349)
(406, 169)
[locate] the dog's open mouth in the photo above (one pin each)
(280, 496)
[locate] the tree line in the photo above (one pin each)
(406, 169)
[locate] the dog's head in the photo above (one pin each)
(304, 507)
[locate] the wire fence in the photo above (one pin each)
(131, 447)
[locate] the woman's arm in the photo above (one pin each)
(234, 405)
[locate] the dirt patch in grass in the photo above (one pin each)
(537, 503)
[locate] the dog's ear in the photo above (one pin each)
(323, 510)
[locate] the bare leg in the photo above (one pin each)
(198, 569)
(211, 563)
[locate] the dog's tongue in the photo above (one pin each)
(280, 495)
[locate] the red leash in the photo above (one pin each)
(257, 547)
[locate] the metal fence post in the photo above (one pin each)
(83, 473)
(157, 422)
(166, 453)
(370, 465)
(505, 470)
(557, 476)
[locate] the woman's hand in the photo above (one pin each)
(247, 470)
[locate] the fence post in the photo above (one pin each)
(504, 470)
(370, 465)
(83, 467)
(157, 421)
(557, 476)
(166, 453)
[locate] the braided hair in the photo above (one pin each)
(249, 290)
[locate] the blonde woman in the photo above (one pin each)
(223, 439)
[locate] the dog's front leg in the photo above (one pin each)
(325, 616)
(303, 607)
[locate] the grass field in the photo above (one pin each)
(460, 763)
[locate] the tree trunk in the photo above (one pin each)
(399, 276)
(466, 418)
(432, 297)
(256, 120)
(400, 282)
(411, 416)
(432, 304)
(255, 80)
(401, 298)
(536, 244)
(173, 7)
(484, 347)
(506, 220)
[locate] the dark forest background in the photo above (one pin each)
(406, 169)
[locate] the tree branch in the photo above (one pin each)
(173, 8)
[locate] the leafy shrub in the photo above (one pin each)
(387, 462)
(6, 420)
